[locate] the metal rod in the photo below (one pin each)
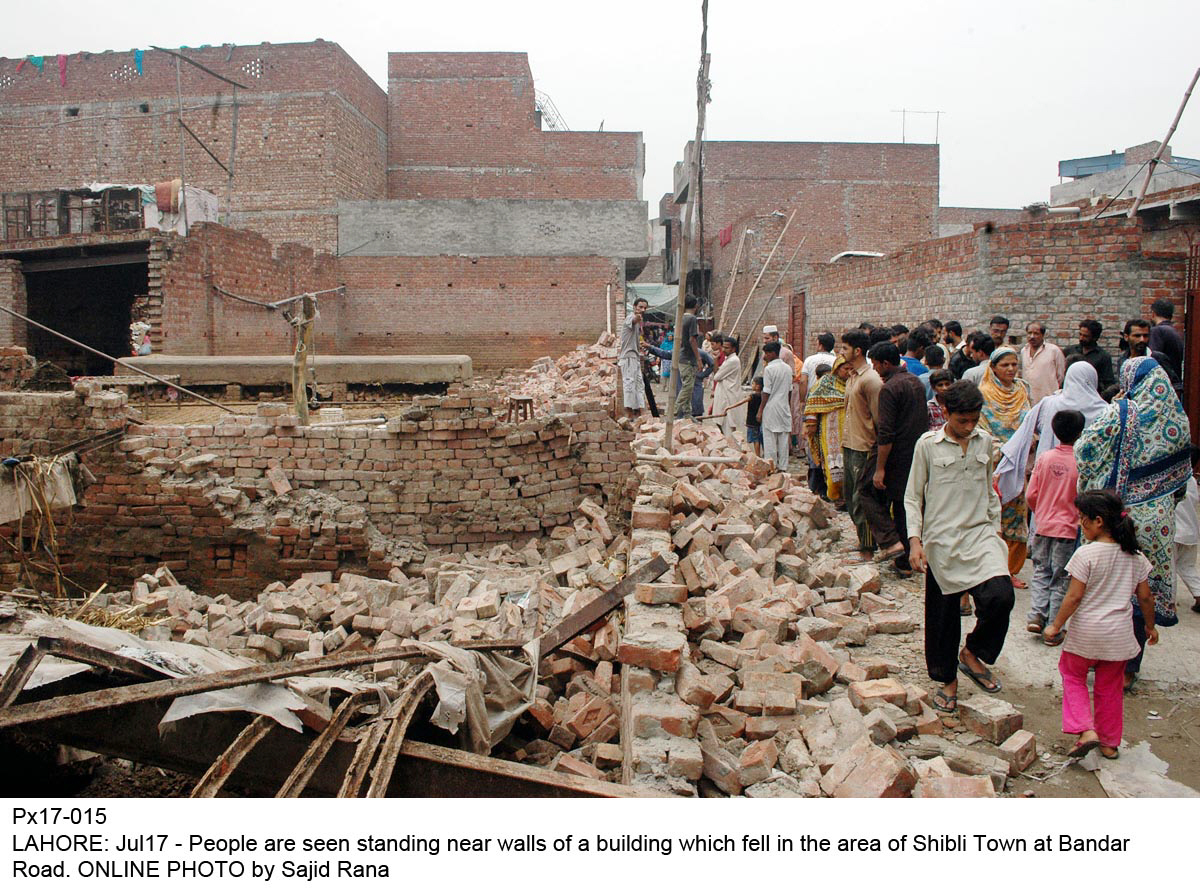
(200, 142)
(115, 361)
(207, 70)
(182, 144)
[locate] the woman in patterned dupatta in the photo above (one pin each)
(1005, 403)
(824, 416)
(1141, 448)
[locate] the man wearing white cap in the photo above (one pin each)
(771, 335)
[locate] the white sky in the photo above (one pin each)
(1022, 84)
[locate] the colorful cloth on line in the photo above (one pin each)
(1004, 407)
(1141, 449)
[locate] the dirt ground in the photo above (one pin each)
(1167, 716)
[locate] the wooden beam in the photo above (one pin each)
(298, 779)
(102, 699)
(399, 720)
(213, 780)
(579, 621)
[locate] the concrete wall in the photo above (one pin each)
(1109, 184)
(494, 227)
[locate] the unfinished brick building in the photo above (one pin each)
(454, 222)
(846, 196)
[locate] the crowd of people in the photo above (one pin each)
(964, 456)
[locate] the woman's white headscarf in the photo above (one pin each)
(1078, 394)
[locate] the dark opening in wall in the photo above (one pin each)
(91, 305)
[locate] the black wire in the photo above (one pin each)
(1122, 189)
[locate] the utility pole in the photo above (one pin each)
(702, 87)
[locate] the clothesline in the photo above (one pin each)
(277, 303)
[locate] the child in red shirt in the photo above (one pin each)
(1051, 496)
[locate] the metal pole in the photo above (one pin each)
(182, 144)
(115, 361)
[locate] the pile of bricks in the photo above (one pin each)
(16, 367)
(588, 372)
(740, 672)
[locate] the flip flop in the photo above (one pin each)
(1113, 756)
(968, 609)
(942, 703)
(1082, 748)
(1196, 606)
(981, 679)
(890, 554)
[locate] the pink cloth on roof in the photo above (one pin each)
(1051, 493)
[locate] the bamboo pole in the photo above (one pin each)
(775, 289)
(1163, 147)
(737, 258)
(761, 273)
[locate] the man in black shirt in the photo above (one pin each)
(1165, 339)
(900, 422)
(1089, 340)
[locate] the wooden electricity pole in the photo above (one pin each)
(303, 323)
(687, 233)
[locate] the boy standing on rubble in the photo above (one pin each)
(954, 535)
(629, 360)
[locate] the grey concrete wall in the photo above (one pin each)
(1108, 183)
(493, 227)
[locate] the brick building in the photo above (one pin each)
(846, 196)
(455, 223)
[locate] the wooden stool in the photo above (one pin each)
(519, 408)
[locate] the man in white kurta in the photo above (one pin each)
(728, 389)
(776, 409)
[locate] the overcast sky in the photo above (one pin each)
(1022, 84)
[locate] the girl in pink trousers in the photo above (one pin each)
(1107, 573)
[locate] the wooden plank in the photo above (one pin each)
(99, 700)
(296, 782)
(214, 779)
(22, 669)
(577, 622)
(401, 716)
(364, 754)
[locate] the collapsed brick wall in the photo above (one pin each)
(189, 317)
(16, 367)
(1054, 272)
(311, 130)
(201, 499)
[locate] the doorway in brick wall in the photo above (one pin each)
(90, 303)
(796, 323)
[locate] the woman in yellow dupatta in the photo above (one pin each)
(1006, 401)
(824, 417)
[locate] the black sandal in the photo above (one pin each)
(981, 678)
(944, 704)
